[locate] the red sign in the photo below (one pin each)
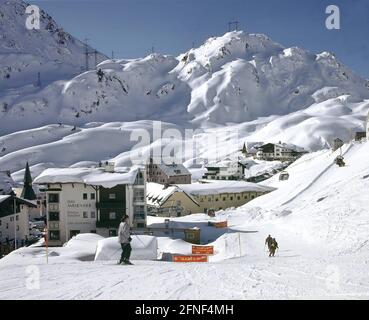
(190, 258)
(202, 250)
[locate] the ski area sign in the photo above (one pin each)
(190, 258)
(202, 249)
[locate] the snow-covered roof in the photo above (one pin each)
(226, 163)
(6, 182)
(19, 200)
(289, 146)
(3, 198)
(218, 187)
(157, 194)
(174, 169)
(90, 176)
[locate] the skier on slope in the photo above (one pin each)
(268, 241)
(273, 247)
(124, 238)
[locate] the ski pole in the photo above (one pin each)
(137, 237)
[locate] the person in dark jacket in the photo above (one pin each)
(268, 241)
(124, 238)
(273, 248)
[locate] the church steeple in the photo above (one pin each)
(27, 192)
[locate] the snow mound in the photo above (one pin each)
(143, 248)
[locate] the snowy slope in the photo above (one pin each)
(322, 231)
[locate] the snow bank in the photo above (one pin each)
(82, 246)
(143, 248)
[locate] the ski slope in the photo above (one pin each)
(322, 231)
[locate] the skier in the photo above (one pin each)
(268, 241)
(124, 240)
(273, 247)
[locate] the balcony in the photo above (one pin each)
(139, 216)
(110, 205)
(108, 223)
(139, 199)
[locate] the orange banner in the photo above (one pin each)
(222, 224)
(202, 250)
(189, 258)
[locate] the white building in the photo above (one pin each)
(85, 200)
(279, 151)
(224, 170)
(14, 225)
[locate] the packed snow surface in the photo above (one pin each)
(319, 217)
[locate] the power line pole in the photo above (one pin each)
(233, 24)
(87, 53)
(39, 79)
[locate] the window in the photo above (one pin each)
(216, 199)
(141, 225)
(53, 207)
(252, 197)
(224, 198)
(92, 195)
(112, 233)
(238, 198)
(54, 235)
(231, 198)
(93, 214)
(53, 225)
(54, 197)
(17, 228)
(17, 218)
(11, 219)
(7, 225)
(54, 216)
(85, 196)
(112, 215)
(111, 195)
(93, 231)
(85, 215)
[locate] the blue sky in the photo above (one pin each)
(131, 28)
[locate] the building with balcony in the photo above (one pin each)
(14, 219)
(279, 151)
(224, 170)
(92, 200)
(167, 173)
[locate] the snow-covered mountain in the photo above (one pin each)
(245, 82)
(50, 51)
